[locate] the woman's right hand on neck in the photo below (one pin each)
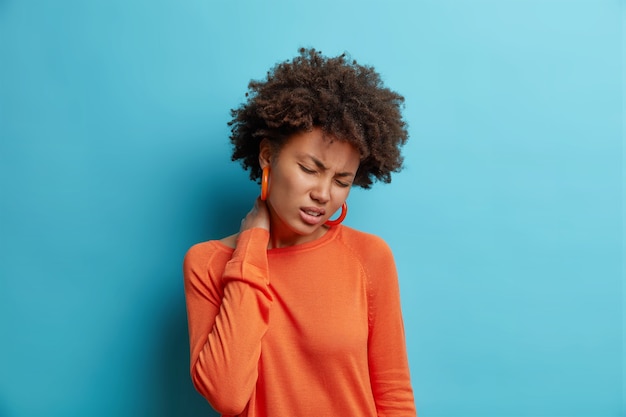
(258, 216)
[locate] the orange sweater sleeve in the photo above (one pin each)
(387, 356)
(228, 316)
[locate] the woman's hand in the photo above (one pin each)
(258, 216)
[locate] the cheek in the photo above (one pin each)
(298, 182)
(341, 194)
(286, 185)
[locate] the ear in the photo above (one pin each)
(265, 153)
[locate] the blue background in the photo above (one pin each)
(507, 223)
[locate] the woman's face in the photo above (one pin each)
(310, 179)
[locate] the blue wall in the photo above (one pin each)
(507, 223)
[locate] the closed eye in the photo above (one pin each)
(307, 170)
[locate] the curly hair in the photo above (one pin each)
(346, 100)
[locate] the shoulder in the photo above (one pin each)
(200, 256)
(363, 241)
(377, 262)
(199, 251)
(369, 248)
(205, 249)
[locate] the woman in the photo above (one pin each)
(297, 315)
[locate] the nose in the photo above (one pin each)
(321, 192)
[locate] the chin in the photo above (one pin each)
(304, 229)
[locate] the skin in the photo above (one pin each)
(310, 178)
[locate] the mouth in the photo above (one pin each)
(312, 215)
(315, 213)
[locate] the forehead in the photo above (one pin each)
(322, 146)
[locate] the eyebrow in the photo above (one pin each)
(323, 167)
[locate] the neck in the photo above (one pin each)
(281, 236)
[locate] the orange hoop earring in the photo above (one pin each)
(344, 212)
(265, 183)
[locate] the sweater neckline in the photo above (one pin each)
(328, 236)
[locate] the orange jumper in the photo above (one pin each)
(307, 330)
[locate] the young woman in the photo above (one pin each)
(297, 315)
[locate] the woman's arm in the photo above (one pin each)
(388, 363)
(226, 327)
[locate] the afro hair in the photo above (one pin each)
(346, 100)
